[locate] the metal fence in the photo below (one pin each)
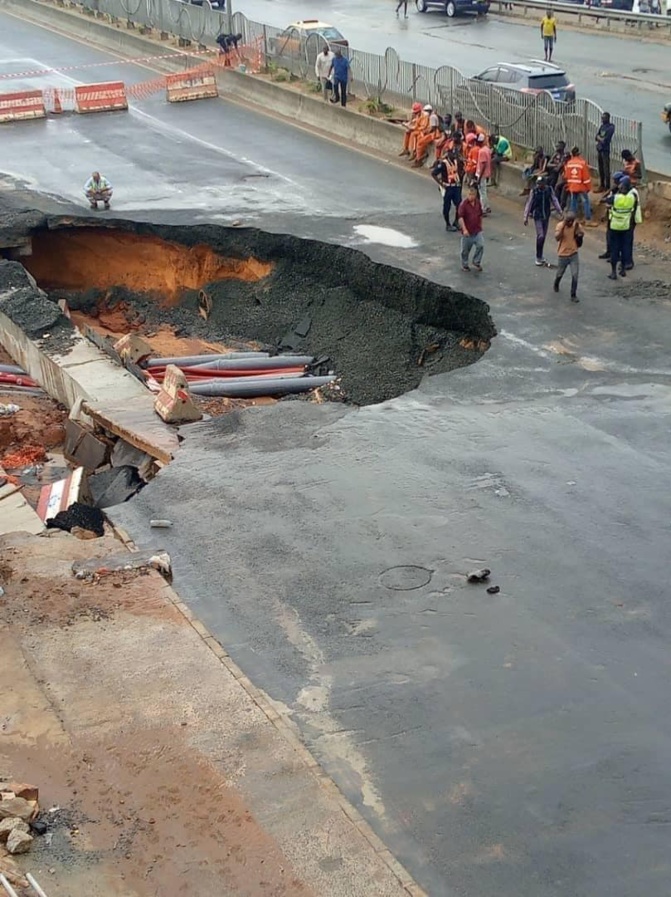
(526, 120)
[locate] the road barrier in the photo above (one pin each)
(108, 96)
(195, 84)
(590, 15)
(24, 104)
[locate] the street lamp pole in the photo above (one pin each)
(229, 17)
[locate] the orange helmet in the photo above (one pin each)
(416, 107)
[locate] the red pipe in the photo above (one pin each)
(203, 374)
(18, 380)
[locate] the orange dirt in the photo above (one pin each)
(87, 257)
(39, 420)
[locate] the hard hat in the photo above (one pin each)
(416, 107)
(428, 108)
(481, 138)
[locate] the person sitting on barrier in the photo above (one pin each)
(420, 127)
(228, 42)
(410, 136)
(431, 134)
(472, 128)
(98, 189)
(555, 166)
(501, 152)
(631, 167)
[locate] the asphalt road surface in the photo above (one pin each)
(516, 745)
(628, 76)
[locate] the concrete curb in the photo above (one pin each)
(288, 731)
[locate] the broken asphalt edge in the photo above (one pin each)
(287, 731)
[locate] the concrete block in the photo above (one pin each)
(113, 486)
(82, 447)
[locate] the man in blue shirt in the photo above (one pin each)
(340, 69)
(604, 137)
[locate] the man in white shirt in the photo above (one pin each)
(98, 189)
(323, 69)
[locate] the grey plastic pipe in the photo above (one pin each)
(257, 364)
(190, 360)
(12, 369)
(254, 389)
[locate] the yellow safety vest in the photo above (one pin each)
(620, 214)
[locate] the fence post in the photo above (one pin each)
(414, 83)
(265, 48)
(585, 129)
(639, 145)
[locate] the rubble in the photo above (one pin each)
(19, 841)
(20, 789)
(18, 806)
(8, 825)
(92, 568)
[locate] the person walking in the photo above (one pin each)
(578, 183)
(339, 75)
(622, 210)
(604, 137)
(469, 217)
(541, 203)
(323, 65)
(448, 173)
(404, 4)
(617, 177)
(569, 237)
(549, 33)
(483, 172)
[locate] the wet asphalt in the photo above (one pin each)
(515, 744)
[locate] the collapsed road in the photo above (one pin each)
(515, 743)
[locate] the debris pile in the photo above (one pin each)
(19, 820)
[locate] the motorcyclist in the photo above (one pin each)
(98, 189)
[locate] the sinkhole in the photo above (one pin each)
(382, 328)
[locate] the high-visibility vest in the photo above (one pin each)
(621, 212)
(452, 170)
(472, 159)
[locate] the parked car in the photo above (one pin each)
(532, 77)
(452, 8)
(666, 115)
(295, 37)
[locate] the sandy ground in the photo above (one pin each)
(169, 778)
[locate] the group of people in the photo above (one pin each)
(333, 73)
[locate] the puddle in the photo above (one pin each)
(386, 236)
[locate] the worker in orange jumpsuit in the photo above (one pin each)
(472, 154)
(410, 137)
(430, 133)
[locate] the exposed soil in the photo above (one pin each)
(99, 257)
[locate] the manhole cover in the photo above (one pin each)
(406, 578)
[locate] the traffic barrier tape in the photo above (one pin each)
(24, 104)
(195, 84)
(105, 97)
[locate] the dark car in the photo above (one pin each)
(533, 77)
(453, 8)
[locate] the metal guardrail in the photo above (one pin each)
(526, 120)
(604, 18)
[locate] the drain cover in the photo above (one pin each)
(406, 578)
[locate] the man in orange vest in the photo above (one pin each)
(578, 182)
(448, 173)
(429, 135)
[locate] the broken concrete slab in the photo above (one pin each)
(134, 421)
(84, 448)
(113, 486)
(128, 560)
(126, 455)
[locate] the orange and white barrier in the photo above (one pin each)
(23, 105)
(174, 404)
(108, 96)
(194, 84)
